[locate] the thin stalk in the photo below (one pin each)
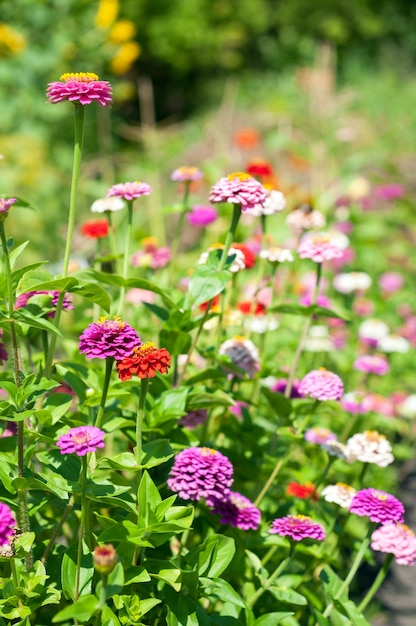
(111, 236)
(81, 526)
(269, 481)
(269, 581)
(376, 584)
(144, 385)
(57, 529)
(107, 376)
(79, 123)
(126, 260)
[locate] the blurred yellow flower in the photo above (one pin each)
(107, 13)
(11, 42)
(122, 31)
(125, 57)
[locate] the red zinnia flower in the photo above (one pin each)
(249, 256)
(253, 308)
(95, 229)
(144, 362)
(301, 491)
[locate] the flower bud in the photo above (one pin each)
(104, 559)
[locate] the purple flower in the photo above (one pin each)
(297, 527)
(193, 418)
(6, 203)
(319, 435)
(281, 384)
(81, 440)
(23, 299)
(372, 364)
(109, 338)
(81, 87)
(186, 174)
(238, 188)
(390, 191)
(397, 539)
(201, 473)
(378, 506)
(391, 282)
(243, 353)
(238, 511)
(202, 215)
(321, 385)
(129, 191)
(7, 522)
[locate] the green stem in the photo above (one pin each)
(269, 581)
(108, 367)
(57, 529)
(126, 260)
(376, 584)
(111, 236)
(81, 526)
(79, 122)
(269, 481)
(144, 385)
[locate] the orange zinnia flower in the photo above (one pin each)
(95, 229)
(302, 491)
(144, 362)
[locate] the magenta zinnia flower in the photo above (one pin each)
(109, 338)
(397, 539)
(321, 385)
(238, 511)
(372, 364)
(24, 298)
(202, 215)
(201, 473)
(186, 174)
(239, 188)
(297, 527)
(379, 506)
(81, 440)
(319, 248)
(6, 203)
(7, 522)
(129, 191)
(80, 87)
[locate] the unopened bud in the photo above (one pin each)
(104, 559)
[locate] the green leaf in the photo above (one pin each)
(308, 311)
(155, 453)
(281, 405)
(160, 312)
(220, 589)
(140, 283)
(170, 405)
(69, 573)
(213, 556)
(148, 493)
(175, 341)
(26, 317)
(287, 596)
(322, 621)
(349, 609)
(81, 610)
(138, 574)
(196, 401)
(272, 618)
(206, 283)
(208, 374)
(36, 280)
(108, 618)
(163, 570)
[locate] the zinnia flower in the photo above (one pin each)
(391, 282)
(107, 204)
(201, 473)
(243, 353)
(238, 511)
(238, 188)
(277, 254)
(186, 174)
(339, 493)
(320, 435)
(318, 248)
(81, 87)
(370, 447)
(202, 215)
(305, 218)
(81, 440)
(194, 418)
(144, 362)
(321, 385)
(379, 506)
(297, 527)
(7, 522)
(301, 491)
(397, 539)
(281, 384)
(24, 299)
(95, 229)
(274, 203)
(109, 338)
(6, 203)
(129, 191)
(372, 364)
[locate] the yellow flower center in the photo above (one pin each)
(302, 517)
(239, 175)
(373, 435)
(380, 496)
(81, 437)
(116, 321)
(144, 349)
(208, 451)
(319, 239)
(81, 77)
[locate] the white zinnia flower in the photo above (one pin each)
(370, 447)
(340, 493)
(115, 203)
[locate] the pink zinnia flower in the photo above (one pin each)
(372, 364)
(81, 440)
(318, 248)
(109, 339)
(353, 402)
(24, 299)
(391, 282)
(80, 87)
(186, 174)
(397, 539)
(238, 188)
(379, 506)
(7, 522)
(238, 511)
(129, 191)
(322, 385)
(297, 527)
(201, 473)
(202, 215)
(6, 203)
(319, 435)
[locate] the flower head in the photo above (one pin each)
(305, 218)
(202, 215)
(318, 248)
(339, 493)
(243, 353)
(108, 338)
(151, 255)
(6, 203)
(104, 559)
(238, 188)
(144, 362)
(129, 191)
(348, 282)
(372, 364)
(379, 506)
(353, 402)
(7, 522)
(274, 203)
(80, 87)
(201, 473)
(186, 174)
(280, 387)
(277, 254)
(194, 418)
(391, 282)
(95, 229)
(297, 527)
(301, 491)
(238, 511)
(320, 435)
(397, 539)
(24, 299)
(321, 385)
(81, 440)
(370, 447)
(107, 204)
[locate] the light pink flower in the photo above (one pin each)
(6, 203)
(397, 539)
(81, 440)
(186, 174)
(129, 191)
(318, 248)
(372, 364)
(239, 188)
(322, 385)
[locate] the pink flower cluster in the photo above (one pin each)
(297, 527)
(396, 539)
(239, 188)
(81, 440)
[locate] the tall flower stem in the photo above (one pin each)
(376, 584)
(79, 122)
(57, 529)
(269, 481)
(304, 335)
(126, 260)
(107, 376)
(269, 581)
(144, 385)
(81, 525)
